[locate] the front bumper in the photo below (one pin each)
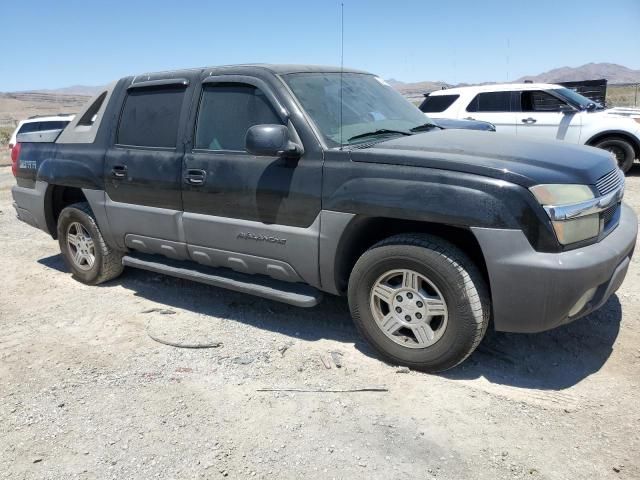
(533, 291)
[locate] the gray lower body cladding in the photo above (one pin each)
(29, 204)
(283, 252)
(533, 291)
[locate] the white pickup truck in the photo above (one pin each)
(543, 110)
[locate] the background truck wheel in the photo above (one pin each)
(420, 301)
(622, 149)
(84, 250)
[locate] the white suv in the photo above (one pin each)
(40, 123)
(543, 110)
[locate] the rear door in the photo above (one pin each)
(493, 107)
(143, 168)
(254, 214)
(540, 115)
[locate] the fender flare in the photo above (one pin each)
(617, 133)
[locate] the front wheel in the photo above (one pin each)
(621, 149)
(420, 301)
(85, 252)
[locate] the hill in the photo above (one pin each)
(615, 74)
(415, 91)
(82, 90)
(20, 105)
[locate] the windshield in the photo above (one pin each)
(369, 105)
(575, 98)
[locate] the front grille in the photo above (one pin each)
(609, 182)
(607, 215)
(609, 219)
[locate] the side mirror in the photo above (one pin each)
(271, 140)
(591, 106)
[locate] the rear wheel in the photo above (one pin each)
(85, 252)
(621, 149)
(419, 301)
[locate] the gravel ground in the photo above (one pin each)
(86, 393)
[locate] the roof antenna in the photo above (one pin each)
(341, 64)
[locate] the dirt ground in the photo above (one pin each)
(86, 393)
(20, 105)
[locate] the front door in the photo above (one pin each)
(544, 115)
(254, 214)
(143, 169)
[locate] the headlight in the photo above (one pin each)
(575, 229)
(561, 194)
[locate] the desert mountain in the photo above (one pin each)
(615, 74)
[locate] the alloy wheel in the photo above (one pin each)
(81, 246)
(409, 308)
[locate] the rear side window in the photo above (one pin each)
(150, 117)
(44, 125)
(90, 115)
(437, 103)
(227, 111)
(490, 102)
(539, 101)
(53, 125)
(29, 127)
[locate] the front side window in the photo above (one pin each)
(539, 101)
(369, 104)
(227, 111)
(575, 98)
(150, 117)
(490, 102)
(437, 103)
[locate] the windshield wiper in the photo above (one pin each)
(381, 131)
(426, 126)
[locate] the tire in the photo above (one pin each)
(442, 271)
(75, 223)
(621, 148)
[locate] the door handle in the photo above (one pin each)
(469, 118)
(195, 176)
(529, 120)
(119, 171)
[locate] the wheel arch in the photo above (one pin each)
(635, 142)
(363, 232)
(57, 197)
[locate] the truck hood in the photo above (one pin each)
(622, 112)
(518, 160)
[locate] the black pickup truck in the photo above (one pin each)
(285, 181)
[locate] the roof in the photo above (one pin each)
(278, 69)
(54, 115)
(49, 118)
(283, 69)
(503, 87)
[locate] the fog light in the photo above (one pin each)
(582, 301)
(577, 229)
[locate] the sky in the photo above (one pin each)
(53, 44)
